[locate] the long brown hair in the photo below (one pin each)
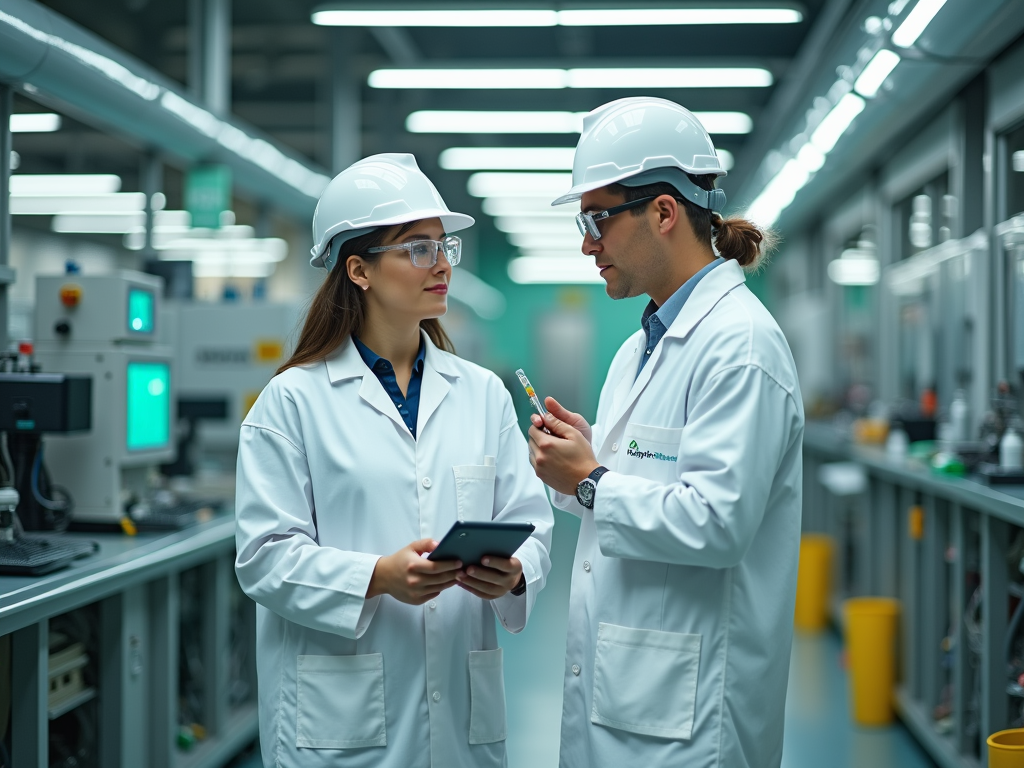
(338, 308)
(734, 238)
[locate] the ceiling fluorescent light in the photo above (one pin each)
(919, 18)
(507, 158)
(630, 17)
(435, 18)
(49, 205)
(484, 79)
(527, 206)
(230, 269)
(810, 157)
(98, 223)
(679, 77)
(571, 241)
(847, 271)
(35, 122)
(778, 193)
(487, 184)
(836, 122)
(725, 122)
(467, 121)
(555, 225)
(875, 73)
(628, 77)
(64, 184)
(726, 158)
(564, 269)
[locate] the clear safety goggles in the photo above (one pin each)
(423, 253)
(587, 222)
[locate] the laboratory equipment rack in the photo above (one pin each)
(133, 583)
(930, 541)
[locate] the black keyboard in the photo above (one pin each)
(36, 554)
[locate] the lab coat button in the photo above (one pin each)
(615, 447)
(586, 566)
(575, 671)
(426, 482)
(432, 604)
(437, 696)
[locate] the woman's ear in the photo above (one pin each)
(357, 271)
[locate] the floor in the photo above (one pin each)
(818, 728)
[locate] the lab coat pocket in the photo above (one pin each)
(651, 452)
(474, 491)
(487, 697)
(645, 681)
(340, 702)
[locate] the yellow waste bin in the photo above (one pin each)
(1006, 749)
(871, 652)
(813, 582)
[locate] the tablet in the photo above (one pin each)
(470, 541)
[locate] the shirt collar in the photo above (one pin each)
(376, 362)
(669, 311)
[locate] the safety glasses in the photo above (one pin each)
(423, 253)
(587, 222)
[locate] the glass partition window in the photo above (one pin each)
(926, 218)
(1015, 176)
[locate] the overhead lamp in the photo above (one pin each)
(835, 123)
(494, 184)
(810, 157)
(35, 122)
(117, 223)
(608, 77)
(660, 17)
(778, 193)
(353, 16)
(50, 205)
(874, 74)
(552, 225)
(554, 269)
(478, 121)
(243, 269)
(507, 158)
(854, 271)
(726, 158)
(569, 241)
(64, 184)
(527, 206)
(919, 18)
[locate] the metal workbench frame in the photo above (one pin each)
(134, 583)
(967, 528)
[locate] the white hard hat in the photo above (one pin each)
(644, 135)
(378, 191)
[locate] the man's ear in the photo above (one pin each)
(669, 212)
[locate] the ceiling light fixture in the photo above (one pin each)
(488, 184)
(473, 121)
(51, 205)
(64, 184)
(874, 74)
(554, 269)
(919, 18)
(507, 158)
(35, 122)
(835, 123)
(353, 16)
(611, 77)
(570, 241)
(527, 206)
(560, 226)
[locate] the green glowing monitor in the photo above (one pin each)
(149, 405)
(140, 310)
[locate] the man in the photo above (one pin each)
(689, 484)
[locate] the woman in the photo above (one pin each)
(372, 440)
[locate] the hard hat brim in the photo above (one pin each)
(577, 191)
(452, 222)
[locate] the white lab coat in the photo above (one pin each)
(329, 479)
(681, 611)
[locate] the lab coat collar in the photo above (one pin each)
(346, 363)
(709, 291)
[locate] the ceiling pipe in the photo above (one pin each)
(60, 64)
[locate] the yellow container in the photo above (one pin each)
(1006, 749)
(871, 624)
(813, 583)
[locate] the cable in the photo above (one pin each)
(63, 507)
(8, 465)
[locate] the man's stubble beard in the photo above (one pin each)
(643, 262)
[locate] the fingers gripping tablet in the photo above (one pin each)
(471, 541)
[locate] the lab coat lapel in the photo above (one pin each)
(346, 363)
(437, 371)
(708, 292)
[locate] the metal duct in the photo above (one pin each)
(57, 61)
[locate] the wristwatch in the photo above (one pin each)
(587, 488)
(520, 588)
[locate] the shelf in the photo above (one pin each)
(69, 704)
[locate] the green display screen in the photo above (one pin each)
(140, 310)
(149, 405)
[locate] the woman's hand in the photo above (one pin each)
(493, 578)
(410, 578)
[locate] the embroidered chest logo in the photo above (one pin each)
(634, 451)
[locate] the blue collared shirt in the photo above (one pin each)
(408, 405)
(656, 320)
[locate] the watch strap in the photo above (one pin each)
(520, 588)
(597, 474)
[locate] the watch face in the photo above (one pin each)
(585, 493)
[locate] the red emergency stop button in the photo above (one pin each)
(70, 295)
